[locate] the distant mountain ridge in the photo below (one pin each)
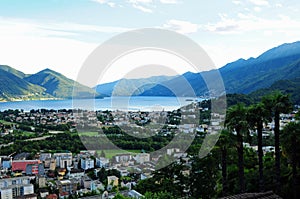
(243, 76)
(58, 85)
(46, 84)
(128, 87)
(12, 85)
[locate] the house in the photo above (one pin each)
(113, 180)
(66, 187)
(102, 162)
(122, 158)
(63, 160)
(20, 165)
(134, 194)
(76, 174)
(87, 163)
(51, 196)
(35, 169)
(141, 158)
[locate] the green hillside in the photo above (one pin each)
(59, 86)
(14, 87)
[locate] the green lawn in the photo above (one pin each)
(27, 133)
(88, 133)
(110, 153)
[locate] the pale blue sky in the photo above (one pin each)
(60, 34)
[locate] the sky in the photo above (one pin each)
(61, 34)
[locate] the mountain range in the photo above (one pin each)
(243, 76)
(46, 84)
(277, 68)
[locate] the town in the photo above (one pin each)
(102, 172)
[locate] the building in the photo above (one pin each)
(6, 193)
(51, 196)
(112, 180)
(141, 158)
(6, 162)
(13, 191)
(45, 156)
(20, 165)
(66, 187)
(63, 160)
(41, 181)
(76, 174)
(122, 158)
(29, 196)
(52, 164)
(44, 193)
(87, 163)
(102, 162)
(86, 182)
(5, 182)
(123, 171)
(35, 169)
(135, 194)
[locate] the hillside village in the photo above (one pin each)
(65, 174)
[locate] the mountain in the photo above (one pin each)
(13, 86)
(241, 76)
(59, 86)
(291, 87)
(128, 87)
(12, 71)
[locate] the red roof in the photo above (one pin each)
(51, 196)
(20, 165)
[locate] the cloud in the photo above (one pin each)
(48, 29)
(237, 2)
(110, 4)
(249, 23)
(259, 2)
(183, 27)
(257, 9)
(224, 26)
(142, 5)
(140, 1)
(142, 8)
(169, 1)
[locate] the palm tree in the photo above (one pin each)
(277, 103)
(257, 115)
(224, 143)
(291, 146)
(236, 121)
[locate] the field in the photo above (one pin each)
(88, 133)
(110, 153)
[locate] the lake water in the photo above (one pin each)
(108, 103)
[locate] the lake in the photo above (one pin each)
(133, 103)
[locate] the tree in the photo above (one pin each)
(203, 177)
(277, 103)
(236, 121)
(225, 141)
(257, 115)
(291, 146)
(102, 154)
(159, 195)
